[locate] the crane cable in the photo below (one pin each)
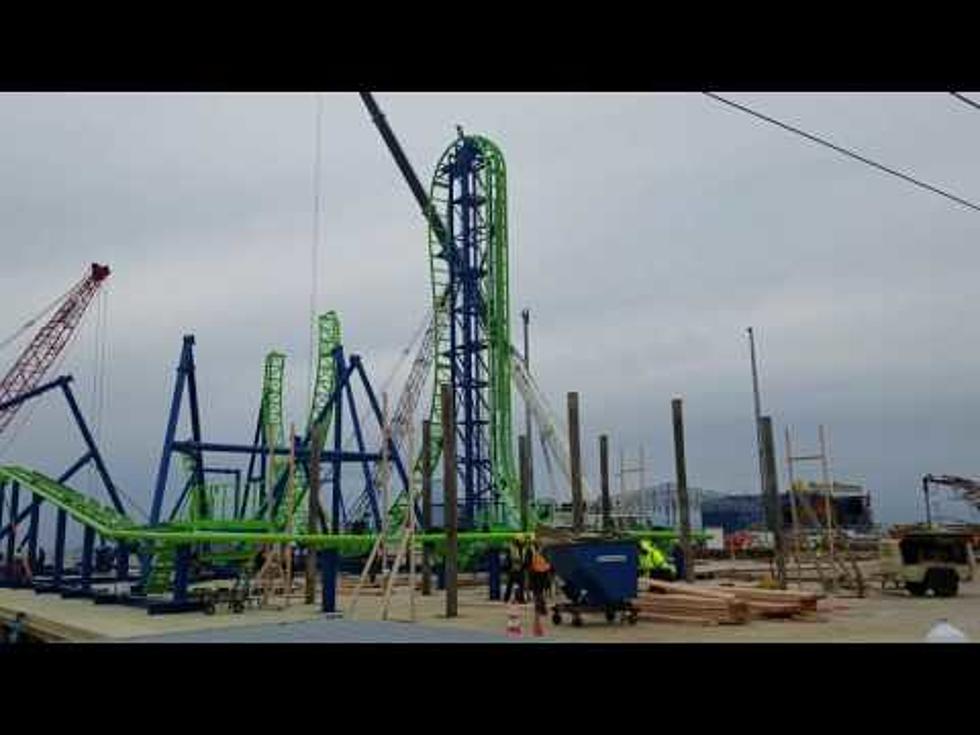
(844, 151)
(315, 249)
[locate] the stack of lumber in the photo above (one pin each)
(668, 603)
(708, 604)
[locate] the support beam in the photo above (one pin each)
(59, 546)
(93, 450)
(171, 431)
(774, 516)
(313, 514)
(12, 538)
(450, 498)
(368, 480)
(682, 497)
(33, 532)
(604, 482)
(88, 548)
(122, 560)
(526, 318)
(182, 572)
(426, 505)
(304, 452)
(523, 454)
(257, 440)
(338, 412)
(574, 449)
(328, 567)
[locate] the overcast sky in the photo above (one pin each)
(646, 232)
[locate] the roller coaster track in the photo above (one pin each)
(494, 310)
(110, 524)
(328, 339)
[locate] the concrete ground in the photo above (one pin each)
(880, 617)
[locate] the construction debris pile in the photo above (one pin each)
(666, 602)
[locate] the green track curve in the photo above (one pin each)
(492, 182)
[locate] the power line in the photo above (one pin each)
(967, 100)
(846, 152)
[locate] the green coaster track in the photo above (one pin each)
(491, 183)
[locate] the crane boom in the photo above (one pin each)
(401, 160)
(49, 342)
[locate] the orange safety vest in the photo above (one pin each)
(539, 564)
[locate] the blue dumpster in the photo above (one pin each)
(597, 576)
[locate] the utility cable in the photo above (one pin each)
(965, 99)
(315, 248)
(844, 151)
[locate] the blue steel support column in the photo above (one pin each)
(59, 546)
(20, 518)
(171, 430)
(35, 522)
(249, 477)
(181, 572)
(368, 482)
(88, 545)
(392, 449)
(196, 430)
(180, 498)
(92, 449)
(238, 490)
(122, 560)
(465, 253)
(493, 569)
(328, 572)
(468, 384)
(338, 410)
(11, 539)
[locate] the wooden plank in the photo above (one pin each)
(679, 619)
(690, 590)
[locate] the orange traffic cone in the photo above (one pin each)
(538, 626)
(513, 621)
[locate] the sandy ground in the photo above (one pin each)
(880, 617)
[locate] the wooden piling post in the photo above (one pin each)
(449, 499)
(523, 455)
(604, 482)
(682, 498)
(426, 505)
(574, 449)
(774, 514)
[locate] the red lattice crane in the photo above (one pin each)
(49, 342)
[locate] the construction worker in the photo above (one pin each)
(653, 562)
(516, 571)
(540, 572)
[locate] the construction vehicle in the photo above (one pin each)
(923, 558)
(969, 490)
